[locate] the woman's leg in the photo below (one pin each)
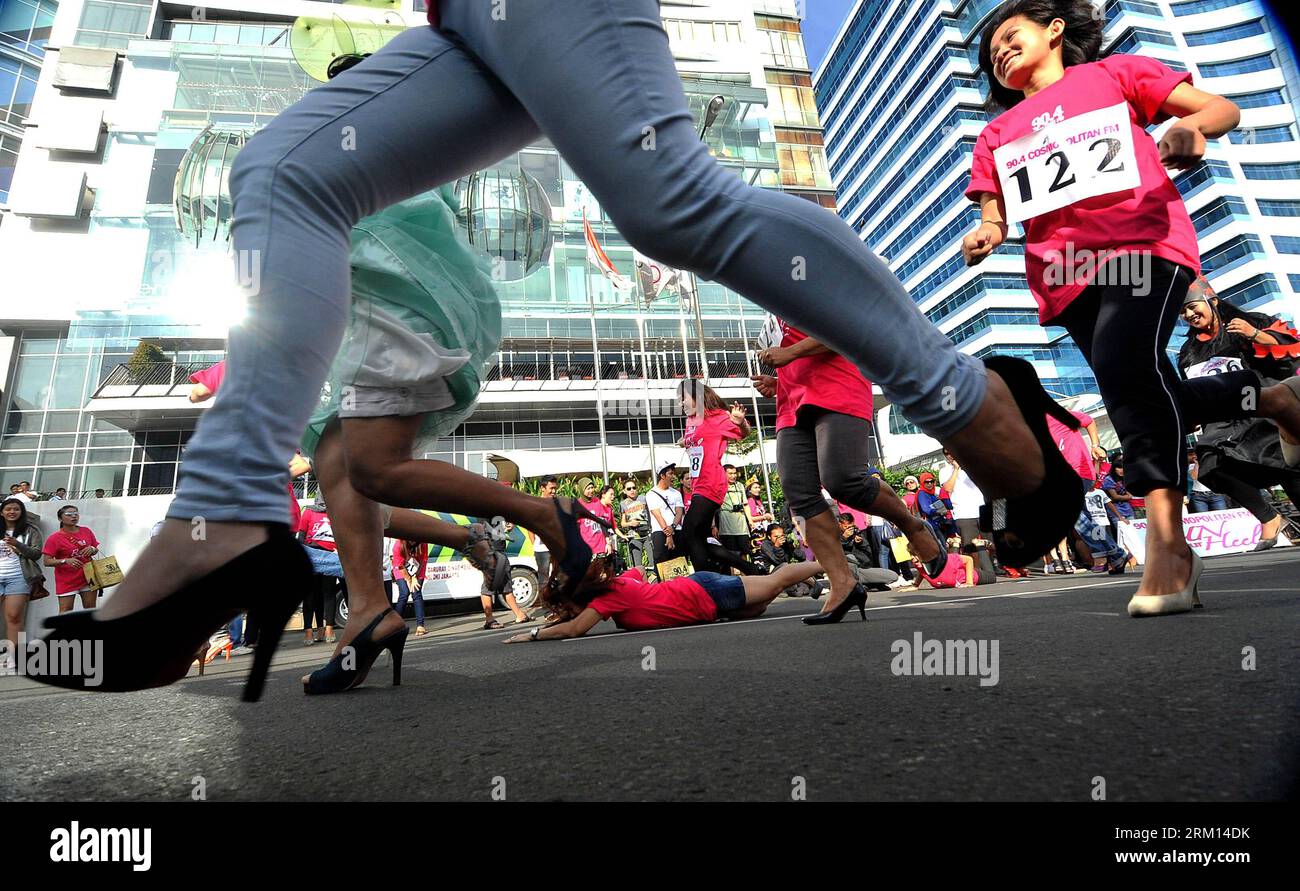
(696, 528)
(1248, 497)
(67, 602)
(796, 462)
(309, 609)
(418, 596)
(403, 593)
(15, 610)
(760, 590)
(599, 79)
(89, 597)
(1124, 339)
(419, 112)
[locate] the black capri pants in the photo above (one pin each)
(825, 448)
(1122, 330)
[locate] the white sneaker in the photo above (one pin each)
(1183, 601)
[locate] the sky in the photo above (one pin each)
(822, 18)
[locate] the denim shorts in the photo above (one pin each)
(14, 584)
(324, 562)
(727, 591)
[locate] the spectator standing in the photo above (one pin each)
(1084, 456)
(1122, 502)
(733, 525)
(755, 510)
(318, 605)
(634, 520)
(20, 571)
(68, 550)
(410, 563)
(549, 486)
(666, 512)
(1200, 497)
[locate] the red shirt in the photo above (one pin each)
(909, 499)
(210, 377)
(592, 532)
(319, 532)
(1078, 454)
(295, 509)
(433, 12)
(636, 605)
(954, 573)
(710, 434)
(826, 380)
(62, 545)
(1150, 217)
(420, 556)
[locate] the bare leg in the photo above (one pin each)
(486, 600)
(359, 533)
(892, 508)
(1169, 557)
(67, 602)
(520, 615)
(760, 590)
(381, 466)
(824, 538)
(15, 609)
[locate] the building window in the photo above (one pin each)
(1239, 66)
(25, 25)
(1251, 289)
(17, 89)
(1279, 208)
(8, 161)
(1262, 99)
(1199, 6)
(1286, 244)
(1271, 171)
(112, 24)
(1223, 35)
(1261, 135)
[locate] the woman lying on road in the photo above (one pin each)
(637, 605)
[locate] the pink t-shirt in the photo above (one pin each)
(61, 545)
(1077, 453)
(954, 573)
(592, 532)
(860, 519)
(420, 556)
(1151, 217)
(826, 380)
(710, 433)
(210, 377)
(636, 605)
(317, 529)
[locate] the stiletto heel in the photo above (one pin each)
(1025, 528)
(155, 646)
(270, 620)
(1183, 601)
(857, 597)
(332, 677)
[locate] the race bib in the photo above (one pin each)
(695, 455)
(1068, 161)
(1217, 365)
(412, 567)
(771, 335)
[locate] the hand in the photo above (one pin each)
(519, 638)
(979, 244)
(74, 562)
(11, 542)
(1182, 147)
(1099, 453)
(777, 357)
(738, 413)
(765, 384)
(1244, 328)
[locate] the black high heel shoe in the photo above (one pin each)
(155, 646)
(332, 677)
(1027, 527)
(857, 597)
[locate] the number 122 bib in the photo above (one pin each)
(1082, 157)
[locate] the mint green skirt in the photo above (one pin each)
(424, 321)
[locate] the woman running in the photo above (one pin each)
(1109, 247)
(1240, 457)
(637, 605)
(436, 103)
(823, 425)
(710, 425)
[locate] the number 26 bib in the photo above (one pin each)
(1078, 158)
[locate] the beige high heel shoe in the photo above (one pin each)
(1183, 601)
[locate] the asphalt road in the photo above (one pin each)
(1160, 709)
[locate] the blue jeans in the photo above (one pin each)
(1098, 537)
(1200, 502)
(598, 80)
(403, 592)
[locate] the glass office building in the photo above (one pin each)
(106, 247)
(902, 105)
(24, 32)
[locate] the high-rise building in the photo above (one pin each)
(24, 31)
(117, 287)
(902, 102)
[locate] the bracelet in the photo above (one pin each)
(532, 635)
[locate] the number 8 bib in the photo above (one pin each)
(696, 456)
(1082, 157)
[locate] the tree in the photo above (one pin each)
(146, 355)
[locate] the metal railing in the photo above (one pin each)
(153, 374)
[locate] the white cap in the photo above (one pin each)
(662, 466)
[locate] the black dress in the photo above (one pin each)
(1247, 449)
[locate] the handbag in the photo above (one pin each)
(103, 573)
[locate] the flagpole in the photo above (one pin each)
(753, 395)
(645, 380)
(595, 354)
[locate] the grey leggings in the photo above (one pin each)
(825, 448)
(596, 78)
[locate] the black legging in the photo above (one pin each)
(1248, 496)
(320, 603)
(1123, 336)
(697, 525)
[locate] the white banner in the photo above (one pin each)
(1217, 532)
